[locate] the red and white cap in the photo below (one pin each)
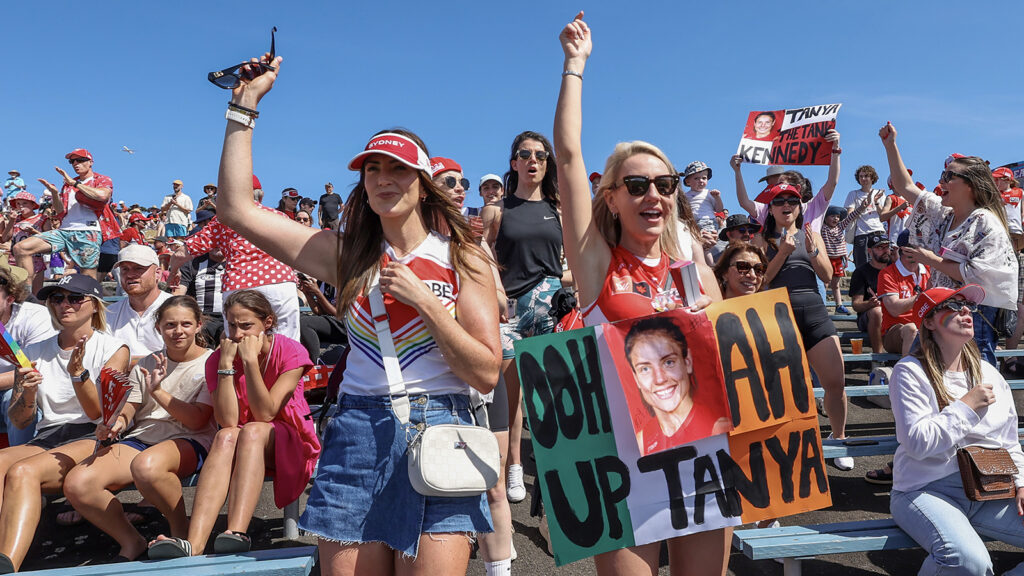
(1002, 172)
(397, 146)
(769, 194)
(951, 158)
(27, 196)
(439, 165)
(78, 153)
(929, 299)
(137, 218)
(289, 193)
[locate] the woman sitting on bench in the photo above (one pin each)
(945, 397)
(63, 386)
(171, 408)
(259, 404)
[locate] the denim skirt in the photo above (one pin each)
(361, 492)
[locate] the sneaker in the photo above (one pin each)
(842, 310)
(843, 463)
(515, 490)
(515, 554)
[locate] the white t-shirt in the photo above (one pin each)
(186, 382)
(29, 323)
(928, 438)
(175, 214)
(55, 396)
(702, 203)
(79, 216)
(139, 331)
(868, 221)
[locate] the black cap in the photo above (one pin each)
(876, 239)
(733, 222)
(903, 239)
(75, 283)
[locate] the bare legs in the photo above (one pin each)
(497, 545)
(700, 554)
(157, 473)
(826, 359)
(443, 554)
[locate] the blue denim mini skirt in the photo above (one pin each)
(361, 492)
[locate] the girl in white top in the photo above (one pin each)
(945, 397)
(171, 408)
(64, 387)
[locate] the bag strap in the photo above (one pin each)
(396, 385)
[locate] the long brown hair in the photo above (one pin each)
(976, 173)
(363, 239)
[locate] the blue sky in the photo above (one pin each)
(468, 76)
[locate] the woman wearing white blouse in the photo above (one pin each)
(945, 397)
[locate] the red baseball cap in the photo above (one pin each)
(438, 165)
(256, 183)
(27, 196)
(79, 153)
(397, 146)
(1003, 172)
(137, 218)
(594, 176)
(929, 299)
(769, 194)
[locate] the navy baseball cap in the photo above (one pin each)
(74, 283)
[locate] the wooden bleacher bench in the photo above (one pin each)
(298, 561)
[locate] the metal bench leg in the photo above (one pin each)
(291, 521)
(791, 566)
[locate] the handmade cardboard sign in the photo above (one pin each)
(790, 137)
(638, 440)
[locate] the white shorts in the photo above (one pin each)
(284, 299)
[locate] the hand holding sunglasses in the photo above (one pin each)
(233, 76)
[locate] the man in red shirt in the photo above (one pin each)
(79, 235)
(133, 232)
(898, 286)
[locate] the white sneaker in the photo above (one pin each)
(514, 553)
(515, 490)
(843, 463)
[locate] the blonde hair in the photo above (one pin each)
(99, 315)
(606, 224)
(930, 356)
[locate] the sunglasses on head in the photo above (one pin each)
(451, 181)
(73, 299)
(231, 78)
(744, 267)
(524, 154)
(785, 201)
(639, 185)
(956, 306)
(947, 176)
(74, 161)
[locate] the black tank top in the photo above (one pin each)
(796, 274)
(529, 244)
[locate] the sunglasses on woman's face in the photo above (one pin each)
(947, 176)
(786, 201)
(231, 78)
(451, 181)
(73, 299)
(639, 185)
(956, 306)
(744, 267)
(524, 154)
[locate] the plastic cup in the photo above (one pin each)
(857, 345)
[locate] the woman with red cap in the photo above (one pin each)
(962, 235)
(945, 398)
(797, 258)
(626, 234)
(414, 256)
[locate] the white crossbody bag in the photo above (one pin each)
(447, 460)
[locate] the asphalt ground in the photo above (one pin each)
(853, 499)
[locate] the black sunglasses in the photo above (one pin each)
(639, 185)
(786, 201)
(751, 230)
(541, 155)
(231, 78)
(74, 161)
(947, 176)
(744, 267)
(73, 299)
(451, 181)
(956, 306)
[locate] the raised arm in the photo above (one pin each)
(741, 189)
(306, 249)
(833, 168)
(586, 251)
(902, 182)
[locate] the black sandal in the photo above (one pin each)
(231, 542)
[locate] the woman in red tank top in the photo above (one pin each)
(618, 250)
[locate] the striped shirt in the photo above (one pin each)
(203, 280)
(835, 236)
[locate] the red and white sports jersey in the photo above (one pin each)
(246, 265)
(424, 369)
(632, 289)
(1011, 203)
(897, 280)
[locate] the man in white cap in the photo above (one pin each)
(492, 190)
(13, 184)
(132, 319)
(175, 208)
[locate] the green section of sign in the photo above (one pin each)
(571, 430)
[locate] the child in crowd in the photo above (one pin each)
(833, 232)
